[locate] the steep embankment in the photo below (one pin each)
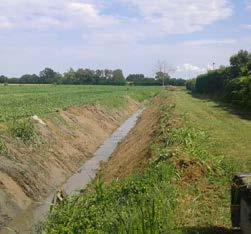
(134, 152)
(62, 142)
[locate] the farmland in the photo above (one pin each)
(172, 172)
(71, 123)
(27, 100)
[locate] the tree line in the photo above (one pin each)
(78, 77)
(159, 79)
(231, 83)
(92, 77)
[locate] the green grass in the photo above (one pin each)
(184, 189)
(27, 100)
(220, 143)
(230, 135)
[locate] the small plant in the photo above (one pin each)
(3, 148)
(23, 129)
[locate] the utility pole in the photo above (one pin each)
(164, 70)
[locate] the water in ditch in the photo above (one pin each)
(28, 220)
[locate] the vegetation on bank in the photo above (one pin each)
(24, 101)
(91, 77)
(232, 84)
(22, 129)
(185, 187)
(141, 203)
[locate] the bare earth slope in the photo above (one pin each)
(30, 172)
(134, 152)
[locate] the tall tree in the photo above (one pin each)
(163, 71)
(118, 77)
(48, 76)
(3, 79)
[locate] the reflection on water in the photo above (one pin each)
(26, 222)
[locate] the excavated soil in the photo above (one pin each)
(134, 152)
(30, 172)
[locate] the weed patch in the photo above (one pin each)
(23, 130)
(3, 148)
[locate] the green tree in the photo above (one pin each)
(239, 63)
(3, 79)
(118, 77)
(48, 76)
(29, 79)
(69, 77)
(162, 77)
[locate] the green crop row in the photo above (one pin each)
(27, 100)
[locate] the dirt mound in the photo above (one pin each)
(66, 140)
(191, 170)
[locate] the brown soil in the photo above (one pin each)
(134, 152)
(30, 172)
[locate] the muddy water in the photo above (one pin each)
(28, 221)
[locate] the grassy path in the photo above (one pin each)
(220, 143)
(230, 135)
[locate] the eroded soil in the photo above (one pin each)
(133, 153)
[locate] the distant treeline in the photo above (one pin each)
(90, 77)
(141, 80)
(231, 83)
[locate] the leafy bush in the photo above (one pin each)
(212, 82)
(238, 92)
(190, 85)
(23, 129)
(227, 82)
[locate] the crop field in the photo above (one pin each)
(27, 100)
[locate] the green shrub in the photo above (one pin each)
(238, 92)
(23, 129)
(3, 148)
(210, 83)
(190, 85)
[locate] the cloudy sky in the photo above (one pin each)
(129, 34)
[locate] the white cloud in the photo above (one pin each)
(56, 14)
(189, 71)
(248, 4)
(87, 9)
(181, 16)
(4, 23)
(89, 15)
(187, 67)
(246, 26)
(153, 18)
(210, 42)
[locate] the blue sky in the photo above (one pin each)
(129, 34)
